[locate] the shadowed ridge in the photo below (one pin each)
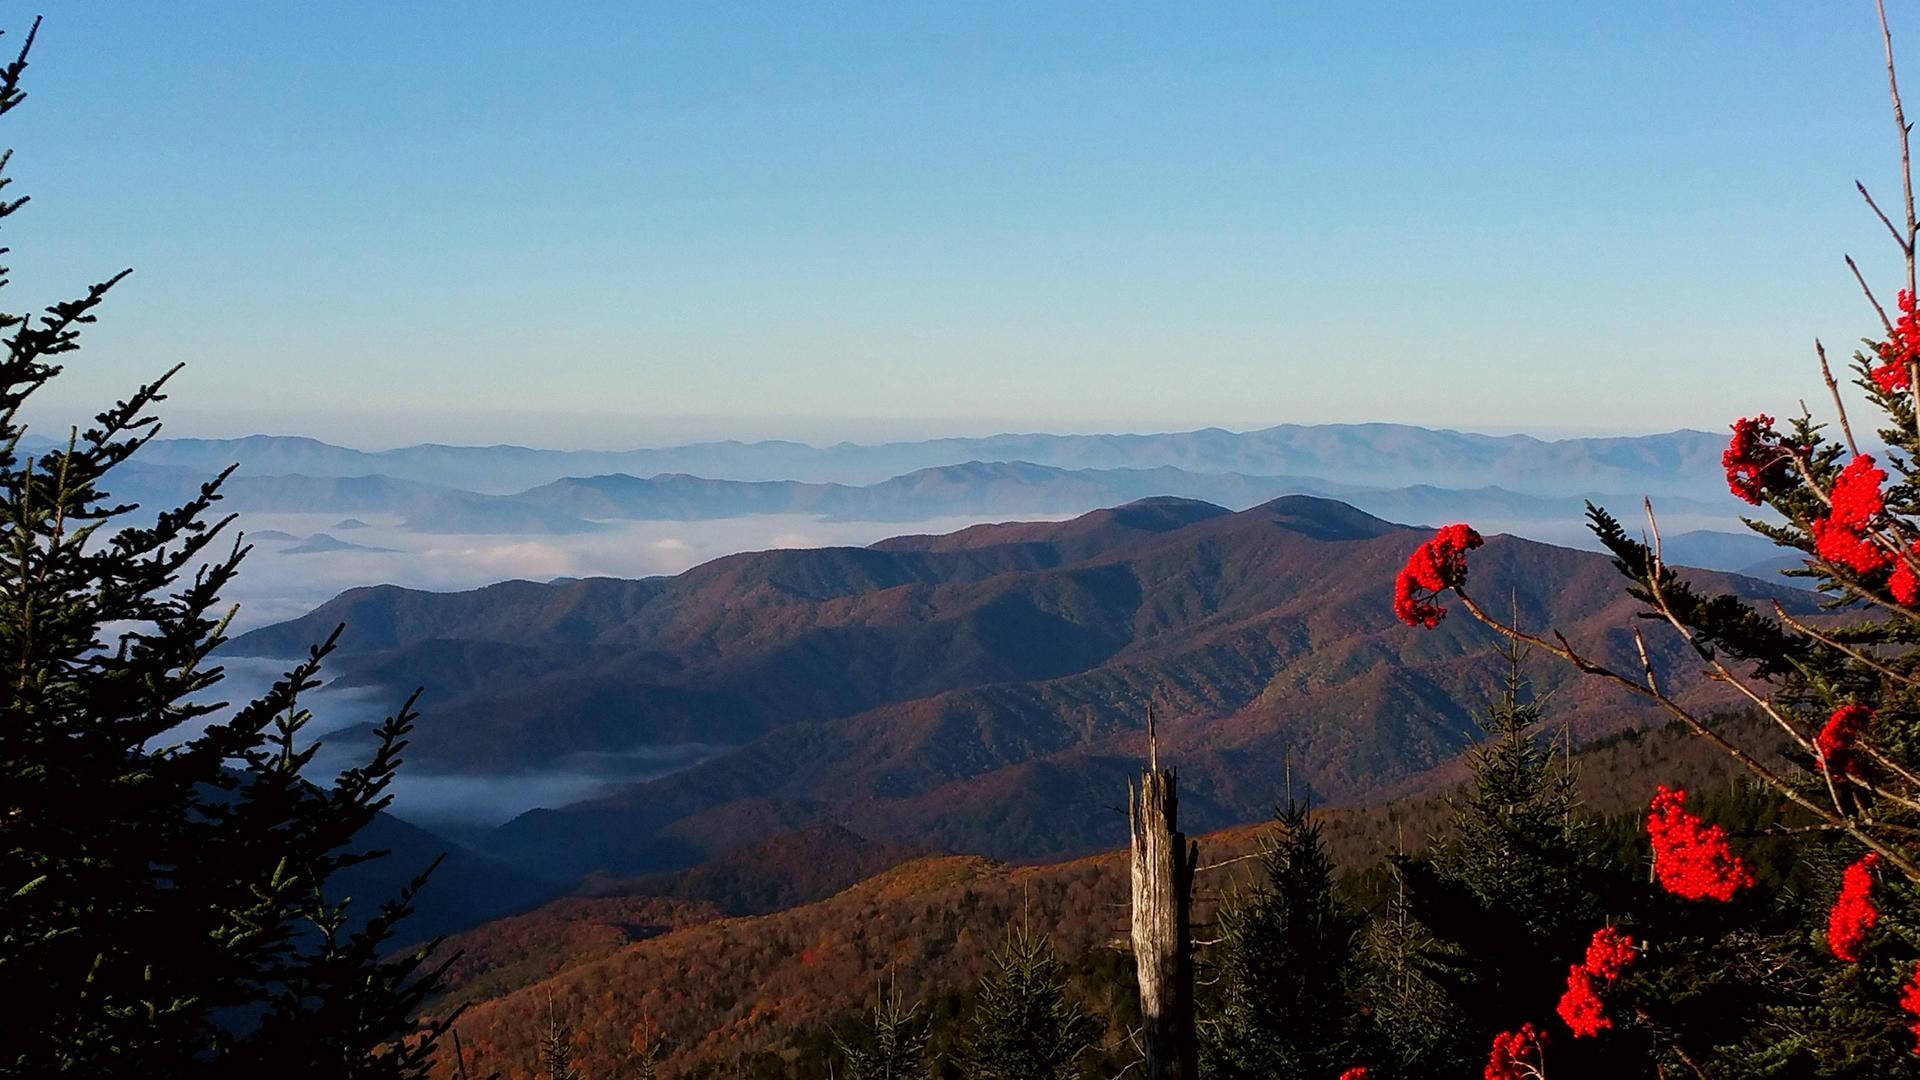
(1092, 533)
(1321, 519)
(384, 617)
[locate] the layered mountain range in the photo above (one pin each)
(981, 691)
(974, 488)
(1378, 455)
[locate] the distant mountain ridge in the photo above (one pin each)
(1378, 455)
(982, 489)
(976, 691)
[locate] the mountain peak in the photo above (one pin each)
(1322, 519)
(1159, 513)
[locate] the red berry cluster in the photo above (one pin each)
(1358, 1072)
(1608, 954)
(1853, 914)
(1910, 1002)
(1899, 352)
(1437, 565)
(1844, 547)
(1905, 584)
(1690, 857)
(1758, 461)
(1856, 493)
(1580, 1006)
(1516, 1054)
(1836, 739)
(1841, 537)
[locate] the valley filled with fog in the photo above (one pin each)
(288, 574)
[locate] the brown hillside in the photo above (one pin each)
(981, 691)
(730, 985)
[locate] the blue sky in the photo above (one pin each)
(630, 223)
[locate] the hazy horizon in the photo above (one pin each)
(902, 221)
(375, 432)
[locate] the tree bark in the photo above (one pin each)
(1163, 863)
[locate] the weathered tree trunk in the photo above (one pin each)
(1163, 864)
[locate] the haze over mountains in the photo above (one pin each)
(1513, 483)
(977, 691)
(1378, 455)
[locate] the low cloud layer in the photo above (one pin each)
(275, 585)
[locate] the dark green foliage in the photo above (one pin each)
(1285, 970)
(1507, 896)
(1024, 1027)
(1416, 1025)
(892, 1045)
(1723, 622)
(1476, 937)
(163, 905)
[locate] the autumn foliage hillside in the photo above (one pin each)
(716, 988)
(984, 691)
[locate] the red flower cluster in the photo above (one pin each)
(1437, 565)
(1608, 954)
(1910, 1002)
(1757, 459)
(1840, 537)
(1853, 914)
(1358, 1072)
(1516, 1054)
(1690, 857)
(1835, 741)
(1900, 351)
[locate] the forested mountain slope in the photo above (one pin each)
(982, 691)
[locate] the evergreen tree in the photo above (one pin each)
(1514, 833)
(1024, 1027)
(646, 1056)
(1285, 968)
(556, 1047)
(892, 1045)
(1507, 898)
(163, 905)
(1412, 1015)
(1512, 881)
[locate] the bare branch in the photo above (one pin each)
(1833, 388)
(1566, 652)
(1781, 613)
(1877, 309)
(1906, 139)
(1892, 229)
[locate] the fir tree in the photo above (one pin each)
(1024, 1027)
(1509, 895)
(163, 904)
(1413, 1018)
(556, 1047)
(892, 1045)
(647, 1053)
(1514, 833)
(1285, 968)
